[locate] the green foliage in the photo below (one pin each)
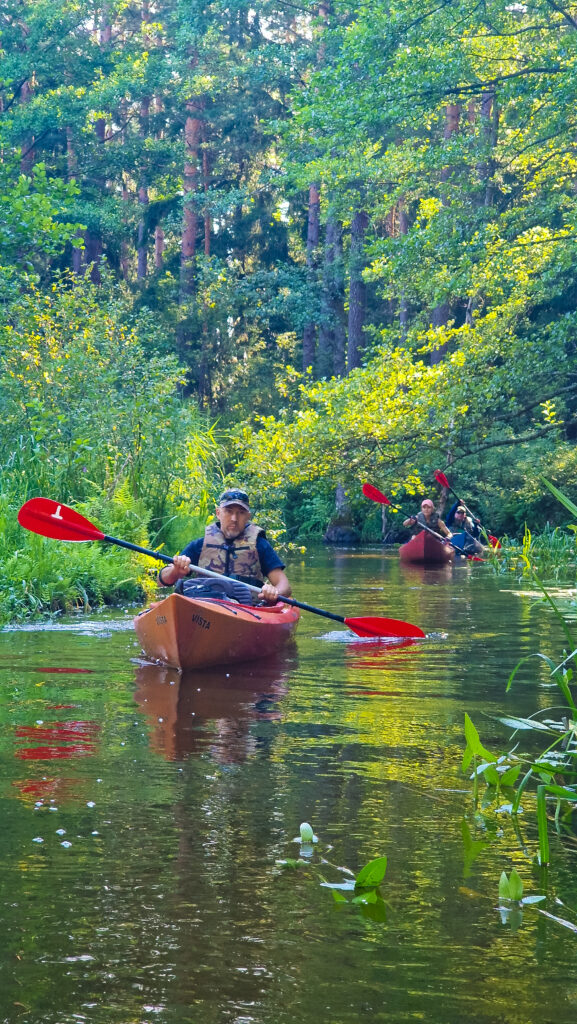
(90, 417)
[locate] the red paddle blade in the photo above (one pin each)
(374, 494)
(53, 519)
(376, 626)
(441, 479)
(494, 541)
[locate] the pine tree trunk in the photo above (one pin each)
(141, 242)
(357, 290)
(206, 183)
(403, 310)
(192, 134)
(441, 313)
(332, 334)
(158, 247)
(309, 333)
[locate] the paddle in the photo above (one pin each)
(442, 480)
(53, 519)
(375, 495)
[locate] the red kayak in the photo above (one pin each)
(188, 633)
(426, 549)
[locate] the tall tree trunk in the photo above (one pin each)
(28, 155)
(357, 290)
(192, 135)
(490, 131)
(143, 197)
(158, 247)
(72, 170)
(403, 310)
(309, 333)
(206, 184)
(143, 200)
(332, 334)
(441, 313)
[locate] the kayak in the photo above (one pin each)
(426, 549)
(187, 633)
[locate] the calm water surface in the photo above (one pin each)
(143, 815)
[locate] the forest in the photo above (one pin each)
(289, 246)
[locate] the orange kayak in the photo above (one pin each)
(187, 633)
(426, 549)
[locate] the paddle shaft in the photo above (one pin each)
(53, 519)
(219, 576)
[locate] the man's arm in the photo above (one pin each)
(277, 586)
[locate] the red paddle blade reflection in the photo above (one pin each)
(58, 740)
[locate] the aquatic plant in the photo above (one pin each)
(553, 773)
(365, 886)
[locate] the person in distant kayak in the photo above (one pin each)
(235, 547)
(460, 523)
(427, 517)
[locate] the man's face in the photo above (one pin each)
(233, 519)
(459, 516)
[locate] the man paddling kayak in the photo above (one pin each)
(235, 547)
(460, 523)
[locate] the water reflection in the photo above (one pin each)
(414, 574)
(212, 710)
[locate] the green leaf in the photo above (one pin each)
(542, 826)
(474, 743)
(504, 887)
(527, 900)
(491, 775)
(569, 505)
(515, 885)
(510, 777)
(338, 896)
(367, 897)
(372, 874)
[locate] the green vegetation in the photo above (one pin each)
(553, 772)
(299, 248)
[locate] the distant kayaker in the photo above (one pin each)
(427, 517)
(461, 523)
(235, 547)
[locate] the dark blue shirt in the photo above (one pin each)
(267, 555)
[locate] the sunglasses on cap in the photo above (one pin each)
(234, 497)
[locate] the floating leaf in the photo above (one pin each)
(524, 723)
(372, 874)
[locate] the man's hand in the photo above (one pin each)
(269, 593)
(181, 564)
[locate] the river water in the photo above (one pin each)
(144, 817)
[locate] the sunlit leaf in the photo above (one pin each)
(372, 874)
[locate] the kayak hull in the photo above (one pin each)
(426, 550)
(186, 633)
